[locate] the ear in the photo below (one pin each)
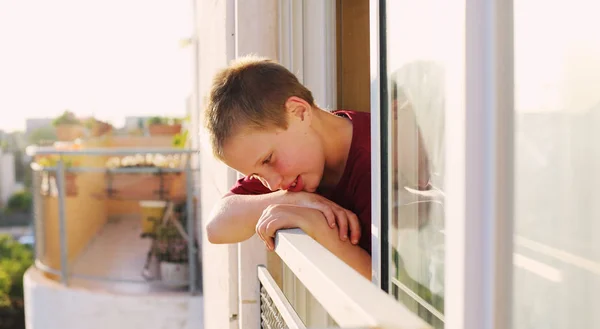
(298, 108)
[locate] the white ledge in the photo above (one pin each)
(350, 299)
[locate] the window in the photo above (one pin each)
(557, 208)
(556, 253)
(420, 47)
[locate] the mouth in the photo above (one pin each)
(297, 185)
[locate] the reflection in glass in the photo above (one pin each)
(416, 230)
(425, 78)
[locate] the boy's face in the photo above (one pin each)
(288, 159)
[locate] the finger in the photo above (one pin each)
(355, 229)
(265, 219)
(261, 227)
(342, 222)
(259, 230)
(329, 215)
(271, 230)
(270, 242)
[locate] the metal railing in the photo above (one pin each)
(275, 310)
(348, 298)
(72, 265)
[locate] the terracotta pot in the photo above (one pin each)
(69, 132)
(161, 129)
(100, 129)
(50, 184)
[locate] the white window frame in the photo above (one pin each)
(307, 46)
(376, 194)
(479, 180)
(479, 243)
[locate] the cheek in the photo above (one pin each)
(308, 160)
(297, 158)
(293, 163)
(285, 164)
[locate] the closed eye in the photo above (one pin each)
(267, 160)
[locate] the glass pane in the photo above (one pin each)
(423, 45)
(557, 99)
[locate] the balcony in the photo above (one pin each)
(115, 245)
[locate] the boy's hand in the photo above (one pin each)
(281, 216)
(346, 220)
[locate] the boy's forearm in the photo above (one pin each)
(233, 219)
(353, 255)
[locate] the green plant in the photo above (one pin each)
(422, 291)
(19, 202)
(164, 121)
(169, 245)
(180, 139)
(15, 259)
(90, 123)
(42, 135)
(5, 285)
(156, 121)
(66, 118)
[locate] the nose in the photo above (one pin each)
(273, 181)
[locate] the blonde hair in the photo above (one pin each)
(250, 93)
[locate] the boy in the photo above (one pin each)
(305, 167)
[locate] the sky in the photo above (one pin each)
(107, 58)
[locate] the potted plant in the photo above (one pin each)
(164, 126)
(68, 127)
(171, 250)
(98, 128)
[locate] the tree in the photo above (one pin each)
(5, 285)
(15, 259)
(20, 202)
(43, 135)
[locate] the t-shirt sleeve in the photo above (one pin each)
(249, 185)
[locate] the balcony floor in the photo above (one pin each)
(117, 256)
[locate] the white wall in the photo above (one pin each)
(7, 176)
(51, 305)
(215, 48)
(227, 29)
(256, 33)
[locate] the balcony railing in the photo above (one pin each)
(91, 237)
(348, 300)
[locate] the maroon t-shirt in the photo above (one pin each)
(353, 191)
